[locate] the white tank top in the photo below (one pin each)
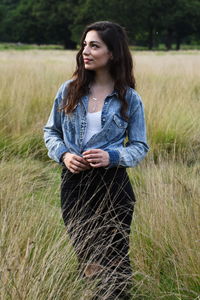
(93, 125)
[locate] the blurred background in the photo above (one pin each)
(151, 24)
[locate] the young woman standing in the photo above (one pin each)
(96, 130)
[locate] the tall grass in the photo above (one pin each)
(165, 244)
(37, 259)
(170, 86)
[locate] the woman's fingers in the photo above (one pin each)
(82, 160)
(97, 157)
(93, 154)
(75, 163)
(92, 151)
(96, 165)
(73, 171)
(82, 163)
(79, 163)
(93, 157)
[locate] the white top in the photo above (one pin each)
(93, 125)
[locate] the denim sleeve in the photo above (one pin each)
(53, 135)
(136, 148)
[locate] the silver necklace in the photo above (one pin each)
(95, 104)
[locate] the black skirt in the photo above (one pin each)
(97, 208)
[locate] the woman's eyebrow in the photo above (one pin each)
(93, 42)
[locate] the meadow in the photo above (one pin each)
(37, 260)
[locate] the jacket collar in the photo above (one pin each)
(85, 98)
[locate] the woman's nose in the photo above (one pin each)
(86, 50)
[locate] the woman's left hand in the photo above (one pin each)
(96, 158)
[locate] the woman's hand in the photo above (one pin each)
(97, 158)
(75, 163)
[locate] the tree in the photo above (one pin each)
(54, 20)
(180, 21)
(186, 20)
(6, 9)
(148, 22)
(123, 12)
(42, 21)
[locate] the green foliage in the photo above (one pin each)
(27, 145)
(20, 46)
(37, 22)
(148, 23)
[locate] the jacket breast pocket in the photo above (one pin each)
(116, 128)
(119, 122)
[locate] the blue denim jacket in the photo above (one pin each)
(65, 132)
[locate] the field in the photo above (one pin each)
(36, 258)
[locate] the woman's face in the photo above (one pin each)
(95, 53)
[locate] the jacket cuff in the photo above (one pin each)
(60, 152)
(114, 158)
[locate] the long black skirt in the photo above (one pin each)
(97, 209)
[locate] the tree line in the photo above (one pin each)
(148, 22)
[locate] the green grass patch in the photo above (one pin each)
(20, 46)
(27, 145)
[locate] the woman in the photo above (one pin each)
(91, 117)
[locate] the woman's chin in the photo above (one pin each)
(87, 67)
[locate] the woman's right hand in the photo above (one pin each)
(75, 163)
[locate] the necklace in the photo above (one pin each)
(95, 104)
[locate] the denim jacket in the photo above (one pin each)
(125, 141)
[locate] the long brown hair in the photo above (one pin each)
(121, 66)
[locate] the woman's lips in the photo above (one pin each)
(87, 60)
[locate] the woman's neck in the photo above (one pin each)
(103, 78)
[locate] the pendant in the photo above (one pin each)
(95, 104)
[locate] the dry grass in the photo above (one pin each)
(37, 260)
(165, 243)
(170, 87)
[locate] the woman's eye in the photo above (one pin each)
(94, 46)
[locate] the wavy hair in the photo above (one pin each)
(121, 66)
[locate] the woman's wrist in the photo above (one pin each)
(63, 156)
